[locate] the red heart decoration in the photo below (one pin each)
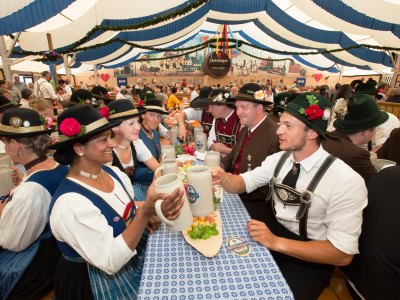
(106, 76)
(317, 77)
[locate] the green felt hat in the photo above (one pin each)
(362, 113)
(312, 109)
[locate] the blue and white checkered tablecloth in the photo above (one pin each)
(175, 270)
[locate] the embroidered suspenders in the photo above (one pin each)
(291, 197)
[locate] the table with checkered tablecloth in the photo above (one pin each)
(175, 270)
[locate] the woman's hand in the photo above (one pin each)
(153, 224)
(16, 176)
(171, 205)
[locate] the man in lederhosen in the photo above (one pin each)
(226, 125)
(257, 140)
(318, 200)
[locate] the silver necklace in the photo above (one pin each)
(123, 147)
(97, 177)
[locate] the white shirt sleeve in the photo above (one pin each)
(162, 130)
(211, 135)
(193, 113)
(68, 89)
(261, 175)
(78, 222)
(142, 152)
(344, 213)
(383, 131)
(24, 217)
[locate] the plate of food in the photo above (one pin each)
(205, 234)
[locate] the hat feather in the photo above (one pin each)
(341, 108)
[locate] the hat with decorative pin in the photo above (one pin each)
(216, 97)
(359, 113)
(253, 92)
(80, 123)
(312, 109)
(24, 122)
(123, 109)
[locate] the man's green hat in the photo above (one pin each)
(312, 109)
(362, 113)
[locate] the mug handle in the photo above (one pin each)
(159, 169)
(163, 156)
(159, 213)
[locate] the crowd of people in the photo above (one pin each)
(300, 159)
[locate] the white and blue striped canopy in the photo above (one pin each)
(288, 25)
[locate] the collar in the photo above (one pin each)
(255, 127)
(308, 163)
(226, 119)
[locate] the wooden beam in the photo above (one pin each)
(50, 43)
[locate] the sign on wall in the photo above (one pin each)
(301, 81)
(122, 81)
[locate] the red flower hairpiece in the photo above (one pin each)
(71, 127)
(105, 112)
(313, 112)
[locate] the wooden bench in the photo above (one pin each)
(390, 107)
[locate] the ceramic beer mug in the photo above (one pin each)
(168, 166)
(167, 184)
(5, 160)
(201, 142)
(6, 181)
(174, 131)
(200, 190)
(168, 152)
(212, 159)
(197, 129)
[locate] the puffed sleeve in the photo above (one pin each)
(76, 221)
(24, 217)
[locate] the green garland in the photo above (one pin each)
(172, 15)
(267, 59)
(174, 56)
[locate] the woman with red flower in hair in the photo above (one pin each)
(97, 224)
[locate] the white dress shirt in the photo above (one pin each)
(336, 207)
(43, 89)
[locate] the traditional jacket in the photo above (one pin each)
(130, 171)
(339, 144)
(207, 121)
(227, 131)
(143, 174)
(264, 142)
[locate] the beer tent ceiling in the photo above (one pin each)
(296, 26)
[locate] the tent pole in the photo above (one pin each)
(52, 66)
(66, 66)
(96, 77)
(341, 74)
(396, 68)
(15, 40)
(5, 59)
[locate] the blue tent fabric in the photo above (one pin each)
(31, 15)
(219, 12)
